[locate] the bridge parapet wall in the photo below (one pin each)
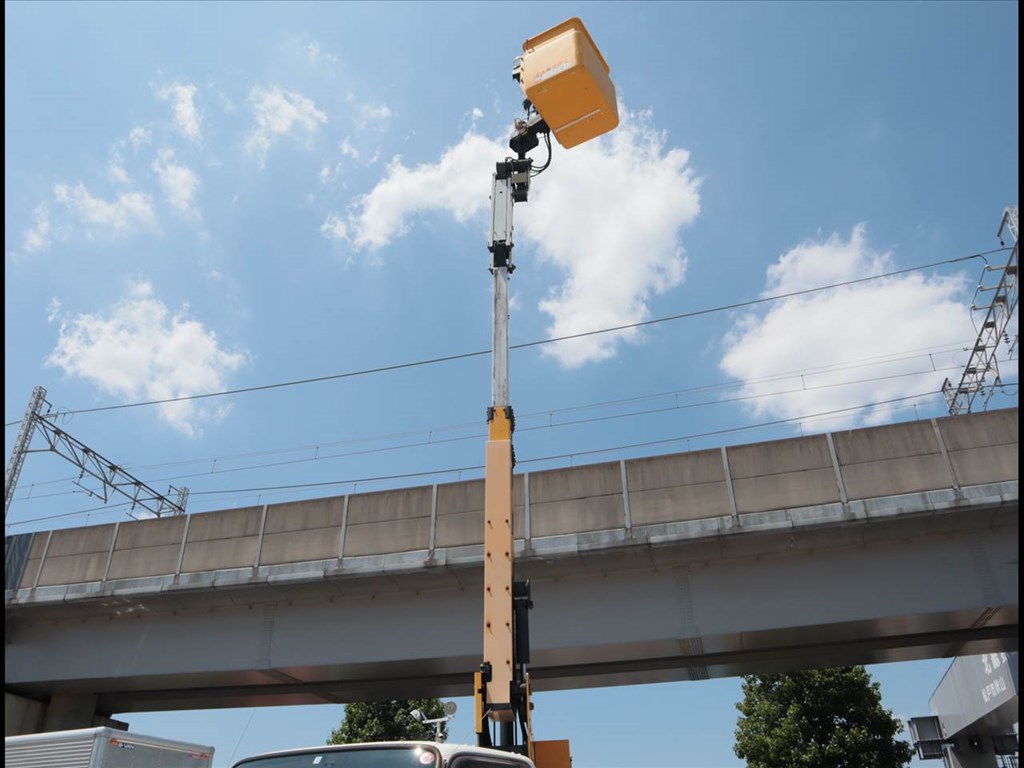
(146, 548)
(785, 474)
(228, 539)
(730, 483)
(984, 449)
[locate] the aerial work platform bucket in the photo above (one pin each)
(566, 78)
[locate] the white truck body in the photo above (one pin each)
(389, 754)
(102, 748)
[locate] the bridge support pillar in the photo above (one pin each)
(67, 711)
(22, 715)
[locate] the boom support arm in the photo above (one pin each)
(563, 68)
(502, 683)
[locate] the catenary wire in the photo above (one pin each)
(554, 457)
(534, 460)
(550, 413)
(433, 441)
(529, 344)
(588, 452)
(476, 435)
(891, 357)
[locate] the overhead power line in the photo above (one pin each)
(590, 452)
(477, 434)
(610, 449)
(104, 508)
(535, 460)
(802, 374)
(528, 344)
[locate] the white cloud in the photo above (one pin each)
(607, 215)
(315, 53)
(277, 112)
(53, 309)
(347, 150)
(328, 172)
(38, 237)
(477, 113)
(178, 182)
(819, 330)
(334, 228)
(135, 139)
(129, 210)
(117, 171)
(186, 115)
(374, 114)
(459, 183)
(139, 349)
(139, 136)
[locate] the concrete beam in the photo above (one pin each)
(22, 715)
(68, 711)
(881, 544)
(847, 593)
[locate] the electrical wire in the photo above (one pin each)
(241, 736)
(479, 433)
(588, 452)
(539, 170)
(550, 413)
(432, 440)
(105, 507)
(824, 415)
(535, 460)
(729, 430)
(529, 344)
(278, 385)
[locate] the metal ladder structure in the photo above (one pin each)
(993, 308)
(113, 479)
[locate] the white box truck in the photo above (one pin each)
(102, 748)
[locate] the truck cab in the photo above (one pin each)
(392, 754)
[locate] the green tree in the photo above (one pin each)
(388, 721)
(823, 718)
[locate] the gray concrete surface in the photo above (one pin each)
(880, 544)
(801, 472)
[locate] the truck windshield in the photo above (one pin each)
(364, 757)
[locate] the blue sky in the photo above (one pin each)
(208, 197)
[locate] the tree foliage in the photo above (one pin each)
(824, 718)
(387, 721)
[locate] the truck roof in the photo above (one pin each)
(51, 737)
(448, 751)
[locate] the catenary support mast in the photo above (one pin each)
(993, 310)
(17, 460)
(113, 479)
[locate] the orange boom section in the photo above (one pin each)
(566, 78)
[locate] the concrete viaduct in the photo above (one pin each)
(880, 544)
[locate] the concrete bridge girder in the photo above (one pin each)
(716, 563)
(650, 613)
